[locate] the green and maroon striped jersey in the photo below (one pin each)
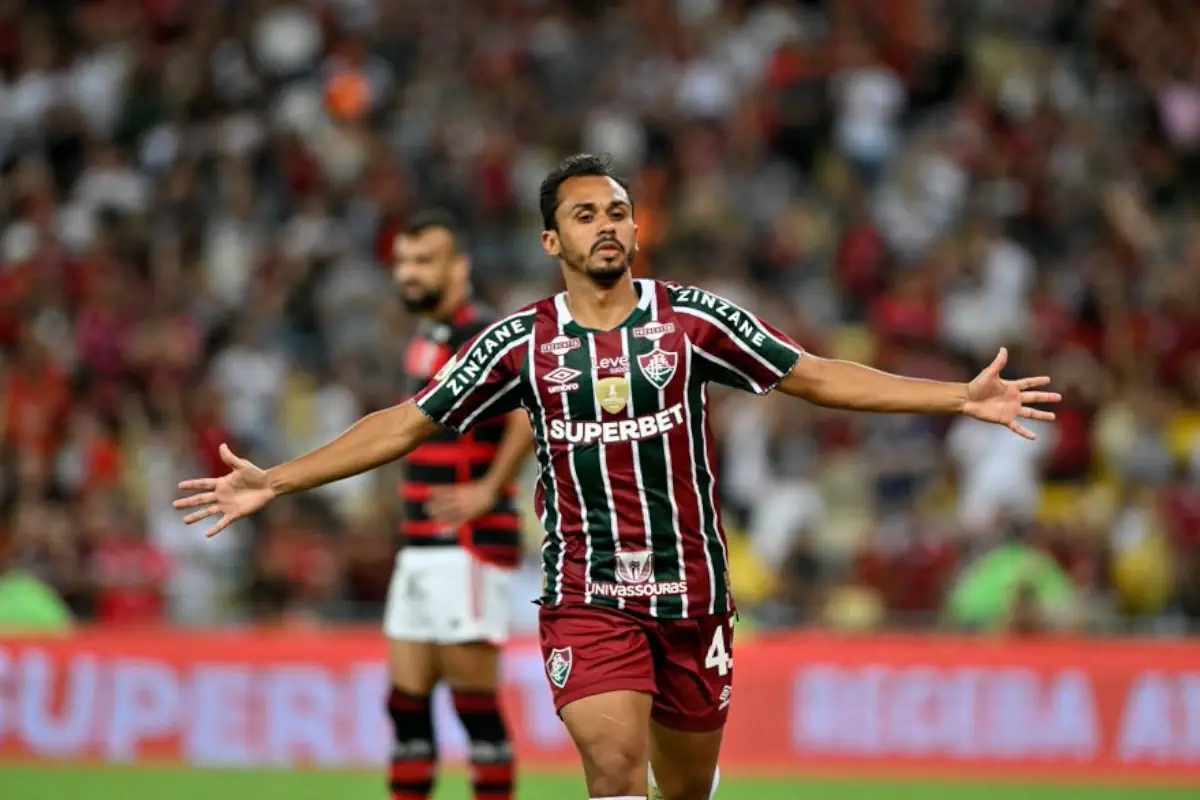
(627, 489)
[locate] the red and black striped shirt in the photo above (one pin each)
(451, 458)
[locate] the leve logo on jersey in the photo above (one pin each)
(626, 430)
(613, 393)
(561, 345)
(658, 366)
(615, 363)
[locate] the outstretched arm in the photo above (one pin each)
(735, 348)
(373, 441)
(482, 377)
(855, 387)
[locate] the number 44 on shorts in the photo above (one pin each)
(718, 656)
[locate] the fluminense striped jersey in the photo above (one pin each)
(627, 490)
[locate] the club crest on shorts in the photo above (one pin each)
(558, 666)
(613, 393)
(658, 366)
(635, 566)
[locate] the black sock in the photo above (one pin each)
(414, 751)
(492, 764)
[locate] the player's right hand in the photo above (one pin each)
(457, 505)
(240, 493)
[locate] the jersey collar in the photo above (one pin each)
(645, 290)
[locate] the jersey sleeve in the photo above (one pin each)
(732, 346)
(482, 380)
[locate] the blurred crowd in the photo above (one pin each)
(197, 207)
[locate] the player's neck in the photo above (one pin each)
(452, 301)
(600, 308)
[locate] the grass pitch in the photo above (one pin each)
(56, 782)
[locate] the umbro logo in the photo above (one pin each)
(562, 375)
(563, 380)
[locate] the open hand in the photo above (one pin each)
(992, 399)
(458, 505)
(240, 493)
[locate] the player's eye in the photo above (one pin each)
(585, 217)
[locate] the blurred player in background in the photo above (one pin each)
(447, 609)
(636, 617)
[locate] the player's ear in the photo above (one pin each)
(462, 265)
(551, 244)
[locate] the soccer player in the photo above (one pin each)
(636, 608)
(447, 609)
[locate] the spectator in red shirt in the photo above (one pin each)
(33, 399)
(91, 457)
(129, 572)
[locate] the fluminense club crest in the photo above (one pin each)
(658, 366)
(558, 666)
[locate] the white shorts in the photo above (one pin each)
(446, 595)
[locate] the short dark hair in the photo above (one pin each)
(576, 166)
(430, 218)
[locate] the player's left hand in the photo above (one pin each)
(458, 505)
(992, 399)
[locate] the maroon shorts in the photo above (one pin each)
(686, 664)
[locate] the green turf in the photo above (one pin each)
(23, 783)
